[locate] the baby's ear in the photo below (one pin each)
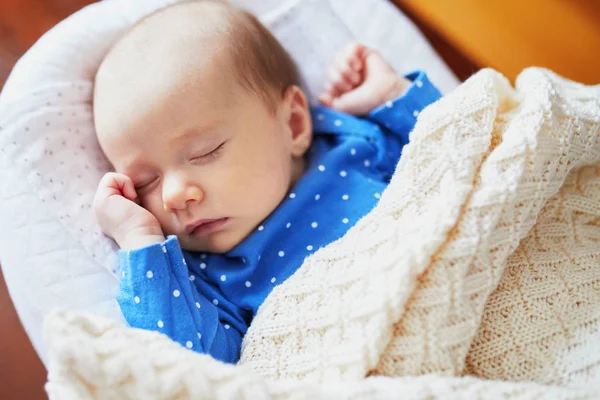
(298, 120)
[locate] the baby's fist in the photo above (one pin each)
(360, 80)
(121, 217)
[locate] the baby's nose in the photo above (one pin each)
(179, 197)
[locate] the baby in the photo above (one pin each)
(225, 178)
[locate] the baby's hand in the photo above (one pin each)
(360, 80)
(119, 215)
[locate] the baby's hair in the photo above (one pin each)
(258, 61)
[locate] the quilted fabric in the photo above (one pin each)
(481, 258)
(51, 251)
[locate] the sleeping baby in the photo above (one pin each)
(225, 179)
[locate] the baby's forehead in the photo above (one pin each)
(151, 61)
(175, 34)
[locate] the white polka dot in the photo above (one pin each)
(309, 247)
(184, 263)
(123, 274)
(317, 196)
(321, 168)
(292, 195)
(197, 305)
(226, 326)
(281, 253)
(377, 195)
(248, 283)
(389, 104)
(320, 117)
(137, 300)
(149, 274)
(176, 293)
(345, 197)
(288, 225)
(367, 163)
(192, 278)
(202, 256)
(215, 302)
(189, 344)
(273, 280)
(199, 335)
(419, 83)
(164, 249)
(337, 122)
(314, 224)
(345, 220)
(202, 265)
(353, 151)
(261, 228)
(160, 324)
(415, 113)
(223, 278)
(343, 173)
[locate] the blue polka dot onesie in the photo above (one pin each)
(206, 301)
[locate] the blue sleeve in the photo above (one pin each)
(156, 293)
(400, 115)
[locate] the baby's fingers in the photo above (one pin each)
(354, 54)
(347, 68)
(338, 85)
(118, 184)
(326, 99)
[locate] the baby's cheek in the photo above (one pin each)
(263, 187)
(153, 203)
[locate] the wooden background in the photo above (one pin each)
(509, 35)
(563, 35)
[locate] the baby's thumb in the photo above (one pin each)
(355, 102)
(128, 189)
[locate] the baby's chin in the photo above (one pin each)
(217, 242)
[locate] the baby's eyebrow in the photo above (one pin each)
(132, 165)
(193, 133)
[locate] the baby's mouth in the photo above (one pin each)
(205, 226)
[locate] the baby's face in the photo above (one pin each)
(207, 158)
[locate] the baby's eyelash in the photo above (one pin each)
(143, 185)
(208, 157)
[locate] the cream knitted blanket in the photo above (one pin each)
(477, 276)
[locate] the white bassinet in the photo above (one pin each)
(51, 250)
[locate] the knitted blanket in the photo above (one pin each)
(477, 276)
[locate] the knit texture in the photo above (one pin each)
(482, 258)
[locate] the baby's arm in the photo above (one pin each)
(362, 83)
(157, 292)
(399, 115)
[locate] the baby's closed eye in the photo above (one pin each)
(144, 185)
(208, 157)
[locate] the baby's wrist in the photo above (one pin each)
(398, 89)
(139, 238)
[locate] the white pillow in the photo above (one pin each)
(51, 250)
